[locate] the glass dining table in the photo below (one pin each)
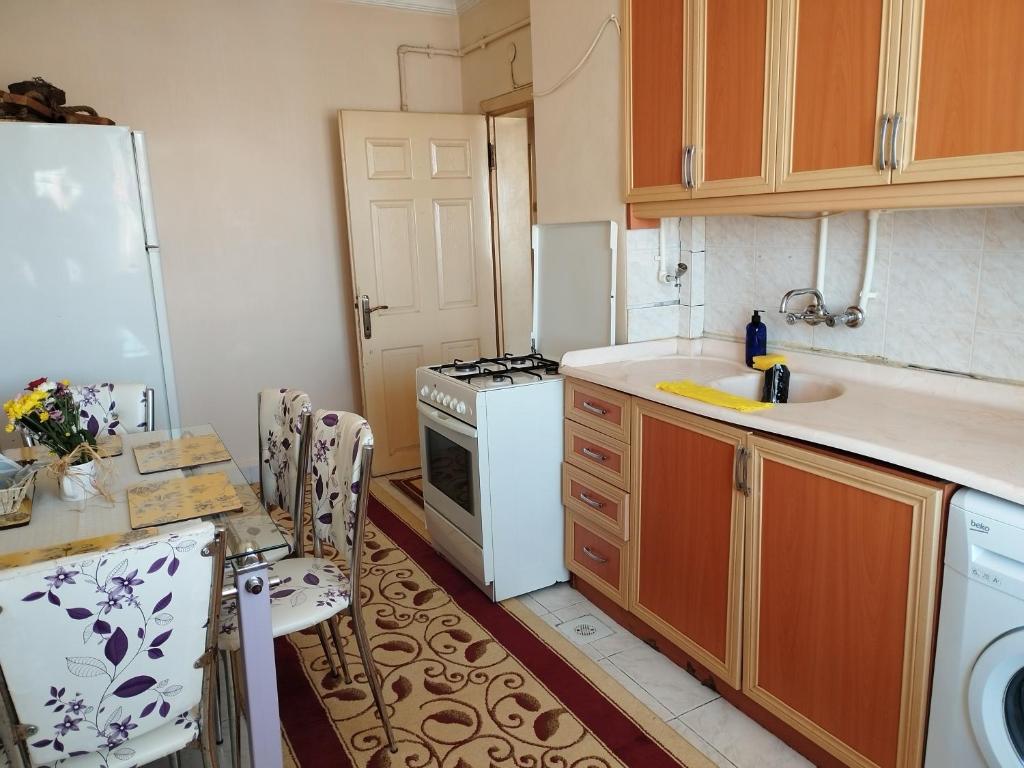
(59, 527)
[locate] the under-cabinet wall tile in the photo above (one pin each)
(730, 231)
(938, 286)
(728, 289)
(1001, 290)
(934, 229)
(998, 355)
(946, 346)
(648, 323)
(1004, 229)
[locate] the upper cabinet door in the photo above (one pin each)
(654, 59)
(839, 89)
(961, 102)
(733, 122)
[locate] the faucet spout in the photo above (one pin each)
(817, 300)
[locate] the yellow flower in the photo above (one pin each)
(9, 428)
(65, 382)
(44, 415)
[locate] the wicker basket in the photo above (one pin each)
(11, 498)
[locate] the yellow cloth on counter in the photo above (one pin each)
(713, 396)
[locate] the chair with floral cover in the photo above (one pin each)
(284, 452)
(315, 590)
(108, 658)
(113, 409)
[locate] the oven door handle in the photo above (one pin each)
(444, 420)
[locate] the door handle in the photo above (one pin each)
(883, 155)
(740, 471)
(894, 156)
(367, 310)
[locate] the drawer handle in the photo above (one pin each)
(594, 556)
(594, 409)
(590, 502)
(592, 454)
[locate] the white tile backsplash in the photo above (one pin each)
(949, 285)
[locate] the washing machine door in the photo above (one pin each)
(996, 701)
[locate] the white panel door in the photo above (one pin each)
(416, 190)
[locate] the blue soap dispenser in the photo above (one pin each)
(757, 337)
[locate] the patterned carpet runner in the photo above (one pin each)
(469, 683)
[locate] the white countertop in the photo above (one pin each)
(952, 427)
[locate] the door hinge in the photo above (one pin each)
(492, 158)
(741, 471)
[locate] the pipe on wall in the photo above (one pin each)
(457, 53)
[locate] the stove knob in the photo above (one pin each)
(460, 408)
(434, 395)
(446, 401)
(425, 390)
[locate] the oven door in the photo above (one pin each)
(451, 473)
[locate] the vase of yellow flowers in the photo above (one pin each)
(48, 412)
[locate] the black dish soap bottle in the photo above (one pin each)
(757, 338)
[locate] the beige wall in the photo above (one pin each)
(238, 100)
(485, 72)
(579, 127)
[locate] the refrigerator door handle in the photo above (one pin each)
(145, 190)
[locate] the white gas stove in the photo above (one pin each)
(491, 452)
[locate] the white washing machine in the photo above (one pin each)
(977, 705)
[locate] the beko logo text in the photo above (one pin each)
(979, 526)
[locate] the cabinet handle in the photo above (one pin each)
(894, 158)
(594, 556)
(688, 166)
(740, 471)
(883, 156)
(594, 409)
(591, 453)
(589, 501)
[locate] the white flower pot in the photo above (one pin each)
(79, 482)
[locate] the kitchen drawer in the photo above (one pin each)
(596, 501)
(596, 557)
(597, 454)
(599, 408)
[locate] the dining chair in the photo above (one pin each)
(112, 409)
(109, 658)
(283, 418)
(315, 591)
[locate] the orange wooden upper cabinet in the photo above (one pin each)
(840, 591)
(687, 534)
(699, 111)
(733, 119)
(961, 105)
(838, 92)
(655, 43)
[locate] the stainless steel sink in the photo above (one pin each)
(803, 387)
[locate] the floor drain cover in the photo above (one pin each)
(585, 630)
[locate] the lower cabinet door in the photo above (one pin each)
(842, 562)
(687, 533)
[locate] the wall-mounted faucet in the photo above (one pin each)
(816, 313)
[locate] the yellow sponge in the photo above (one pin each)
(713, 396)
(764, 362)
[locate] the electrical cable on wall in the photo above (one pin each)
(612, 19)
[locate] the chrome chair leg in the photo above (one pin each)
(234, 711)
(174, 759)
(333, 624)
(370, 668)
(327, 648)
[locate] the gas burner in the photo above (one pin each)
(465, 367)
(501, 371)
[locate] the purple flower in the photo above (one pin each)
(112, 600)
(56, 415)
(127, 583)
(61, 577)
(76, 706)
(69, 723)
(320, 451)
(119, 730)
(90, 395)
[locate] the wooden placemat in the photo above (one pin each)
(23, 515)
(79, 547)
(188, 451)
(183, 498)
(106, 446)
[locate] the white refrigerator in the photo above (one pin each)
(80, 262)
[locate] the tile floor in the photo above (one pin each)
(728, 737)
